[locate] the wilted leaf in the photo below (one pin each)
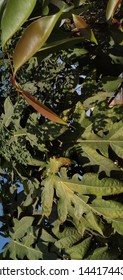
(15, 14)
(41, 108)
(111, 8)
(33, 39)
(84, 28)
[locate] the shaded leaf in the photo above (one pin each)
(15, 14)
(101, 253)
(33, 39)
(84, 28)
(9, 110)
(41, 108)
(77, 252)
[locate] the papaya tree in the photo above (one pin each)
(61, 136)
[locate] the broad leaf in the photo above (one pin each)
(109, 209)
(41, 108)
(84, 28)
(77, 252)
(101, 253)
(111, 8)
(21, 226)
(33, 39)
(18, 250)
(14, 16)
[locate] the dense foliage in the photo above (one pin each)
(61, 164)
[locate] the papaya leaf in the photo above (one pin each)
(21, 226)
(117, 224)
(9, 111)
(84, 28)
(15, 14)
(110, 209)
(101, 253)
(47, 195)
(41, 108)
(33, 39)
(77, 252)
(19, 250)
(91, 185)
(111, 8)
(67, 238)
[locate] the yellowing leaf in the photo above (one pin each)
(33, 39)
(41, 108)
(15, 14)
(84, 28)
(111, 8)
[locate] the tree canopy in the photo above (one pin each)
(61, 129)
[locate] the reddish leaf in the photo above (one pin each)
(33, 39)
(84, 28)
(41, 108)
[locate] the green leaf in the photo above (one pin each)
(67, 238)
(33, 39)
(96, 98)
(91, 185)
(9, 111)
(111, 8)
(47, 195)
(117, 224)
(100, 254)
(21, 226)
(77, 252)
(19, 250)
(108, 208)
(111, 84)
(14, 16)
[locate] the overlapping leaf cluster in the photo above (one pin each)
(62, 180)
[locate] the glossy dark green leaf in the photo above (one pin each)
(15, 14)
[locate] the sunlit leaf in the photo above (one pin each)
(21, 226)
(15, 14)
(33, 39)
(41, 108)
(111, 8)
(84, 28)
